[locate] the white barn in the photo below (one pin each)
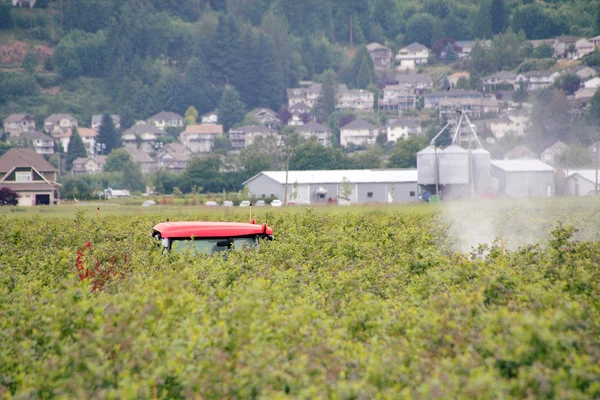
(363, 186)
(581, 182)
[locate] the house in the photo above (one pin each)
(432, 100)
(593, 83)
(57, 124)
(30, 175)
(533, 80)
(88, 165)
(412, 55)
(147, 163)
(454, 77)
(582, 182)
(563, 45)
(200, 138)
(551, 154)
(523, 178)
(584, 95)
(473, 107)
(97, 121)
(244, 136)
(381, 55)
(354, 186)
(210, 118)
(397, 97)
(300, 113)
(23, 3)
(463, 48)
(385, 76)
(267, 117)
(520, 152)
(167, 119)
(541, 42)
(142, 136)
(595, 41)
(309, 94)
(88, 136)
(315, 130)
(42, 144)
(583, 47)
(15, 124)
(584, 72)
(355, 100)
(507, 125)
(502, 78)
(358, 132)
(403, 128)
(172, 157)
(421, 83)
(63, 139)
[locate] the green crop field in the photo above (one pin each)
(347, 303)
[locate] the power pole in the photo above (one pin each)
(351, 41)
(287, 170)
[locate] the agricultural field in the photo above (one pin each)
(363, 302)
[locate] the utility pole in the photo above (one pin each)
(287, 170)
(351, 41)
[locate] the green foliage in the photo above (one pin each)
(311, 155)
(542, 64)
(404, 153)
(543, 51)
(107, 134)
(117, 160)
(231, 109)
(364, 77)
(419, 28)
(76, 149)
(30, 62)
(536, 22)
(6, 20)
(569, 82)
(550, 117)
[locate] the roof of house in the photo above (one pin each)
(413, 78)
(463, 43)
(312, 126)
(209, 129)
(177, 150)
(28, 186)
(557, 147)
(502, 75)
(257, 111)
(101, 160)
(143, 127)
(359, 124)
(35, 135)
(585, 93)
(87, 132)
(165, 115)
(538, 74)
(139, 156)
(587, 174)
(520, 151)
(522, 165)
(338, 176)
(567, 39)
(17, 118)
(253, 129)
(415, 47)
(300, 107)
(404, 122)
(455, 93)
(55, 118)
(24, 157)
(375, 46)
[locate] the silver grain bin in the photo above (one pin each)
(481, 170)
(454, 165)
(426, 166)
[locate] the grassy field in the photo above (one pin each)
(347, 302)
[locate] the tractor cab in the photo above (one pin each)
(210, 237)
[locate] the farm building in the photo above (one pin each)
(523, 178)
(581, 182)
(356, 186)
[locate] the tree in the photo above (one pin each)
(117, 161)
(550, 117)
(8, 197)
(231, 109)
(520, 95)
(576, 156)
(203, 172)
(347, 189)
(363, 80)
(30, 62)
(450, 55)
(535, 22)
(312, 155)
(107, 134)
(76, 149)
(543, 51)
(191, 115)
(404, 153)
(133, 179)
(329, 93)
(499, 16)
(200, 92)
(357, 63)
(569, 83)
(594, 111)
(6, 19)
(419, 28)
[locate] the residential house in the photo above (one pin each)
(584, 72)
(30, 175)
(58, 124)
(397, 97)
(42, 144)
(309, 95)
(432, 100)
(24, 3)
(473, 107)
(386, 76)
(381, 55)
(300, 113)
(542, 42)
(581, 182)
(244, 136)
(142, 136)
(355, 100)
(15, 124)
(534, 80)
(593, 83)
(551, 154)
(502, 78)
(167, 119)
(200, 138)
(412, 56)
(210, 118)
(595, 41)
(358, 132)
(172, 157)
(584, 95)
(421, 83)
(583, 47)
(88, 165)
(403, 128)
(453, 78)
(88, 136)
(147, 163)
(315, 130)
(267, 117)
(97, 121)
(463, 48)
(507, 125)
(564, 46)
(520, 152)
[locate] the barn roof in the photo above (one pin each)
(522, 166)
(337, 176)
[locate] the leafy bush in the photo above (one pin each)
(8, 197)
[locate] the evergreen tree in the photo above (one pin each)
(482, 25)
(76, 149)
(264, 86)
(6, 20)
(200, 93)
(231, 109)
(363, 80)
(499, 16)
(361, 55)
(329, 97)
(449, 54)
(107, 134)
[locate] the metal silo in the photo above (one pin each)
(426, 165)
(481, 170)
(454, 166)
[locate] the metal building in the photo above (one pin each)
(523, 178)
(581, 182)
(360, 186)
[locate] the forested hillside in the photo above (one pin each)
(141, 56)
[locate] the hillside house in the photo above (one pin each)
(403, 128)
(397, 97)
(167, 119)
(88, 165)
(551, 154)
(473, 107)
(16, 124)
(88, 136)
(463, 48)
(358, 132)
(57, 124)
(595, 41)
(432, 100)
(503, 126)
(502, 79)
(584, 72)
(42, 144)
(421, 83)
(584, 95)
(309, 95)
(454, 77)
(142, 136)
(244, 136)
(147, 163)
(381, 55)
(300, 113)
(172, 157)
(267, 117)
(24, 3)
(30, 175)
(200, 138)
(355, 100)
(520, 152)
(533, 80)
(563, 45)
(411, 56)
(315, 130)
(97, 121)
(210, 118)
(583, 47)
(593, 83)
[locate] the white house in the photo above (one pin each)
(200, 138)
(267, 117)
(403, 128)
(381, 55)
(89, 165)
(551, 154)
(88, 136)
(581, 182)
(583, 47)
(355, 100)
(536, 79)
(59, 123)
(142, 136)
(210, 118)
(15, 124)
(504, 78)
(41, 143)
(412, 55)
(166, 119)
(593, 83)
(316, 130)
(358, 132)
(397, 97)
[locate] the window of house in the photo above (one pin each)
(412, 194)
(369, 194)
(23, 176)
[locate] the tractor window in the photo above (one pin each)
(211, 246)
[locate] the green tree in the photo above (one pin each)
(499, 16)
(107, 134)
(450, 55)
(575, 156)
(6, 19)
(543, 51)
(594, 111)
(357, 63)
(550, 117)
(419, 28)
(199, 91)
(133, 179)
(312, 155)
(569, 83)
(203, 172)
(117, 161)
(482, 25)
(404, 153)
(30, 62)
(231, 109)
(191, 115)
(364, 77)
(76, 149)
(535, 22)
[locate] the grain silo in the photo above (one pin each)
(454, 166)
(426, 166)
(480, 159)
